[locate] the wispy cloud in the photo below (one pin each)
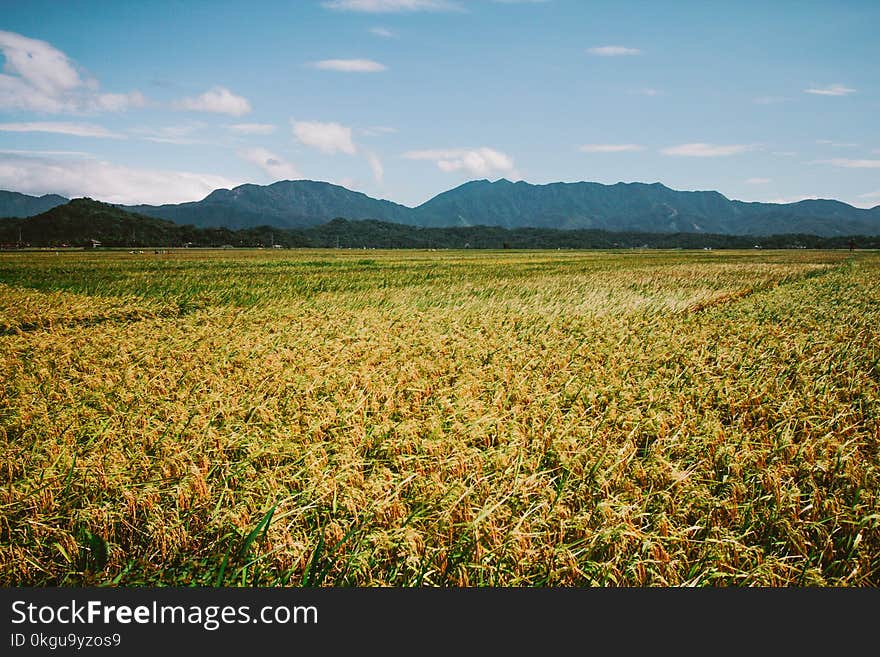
(115, 102)
(475, 161)
(757, 181)
(325, 137)
(171, 134)
(836, 144)
(849, 163)
(9, 151)
(105, 181)
(830, 90)
(707, 150)
(382, 32)
(769, 100)
(613, 51)
(350, 65)
(870, 195)
(61, 128)
(218, 100)
(376, 167)
(391, 6)
(648, 91)
(275, 166)
(39, 77)
(611, 148)
(252, 128)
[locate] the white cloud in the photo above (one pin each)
(830, 90)
(611, 148)
(218, 100)
(870, 195)
(105, 181)
(477, 161)
(275, 166)
(391, 6)
(383, 32)
(16, 94)
(252, 128)
(43, 66)
(706, 150)
(376, 167)
(61, 128)
(757, 181)
(648, 91)
(350, 65)
(850, 164)
(326, 137)
(613, 51)
(836, 144)
(39, 77)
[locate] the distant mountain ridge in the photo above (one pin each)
(286, 204)
(652, 208)
(84, 222)
(635, 207)
(13, 204)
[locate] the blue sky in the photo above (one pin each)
(402, 99)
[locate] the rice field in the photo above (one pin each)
(440, 418)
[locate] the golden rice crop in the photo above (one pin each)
(416, 418)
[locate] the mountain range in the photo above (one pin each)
(13, 204)
(84, 222)
(622, 207)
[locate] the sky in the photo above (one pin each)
(165, 101)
